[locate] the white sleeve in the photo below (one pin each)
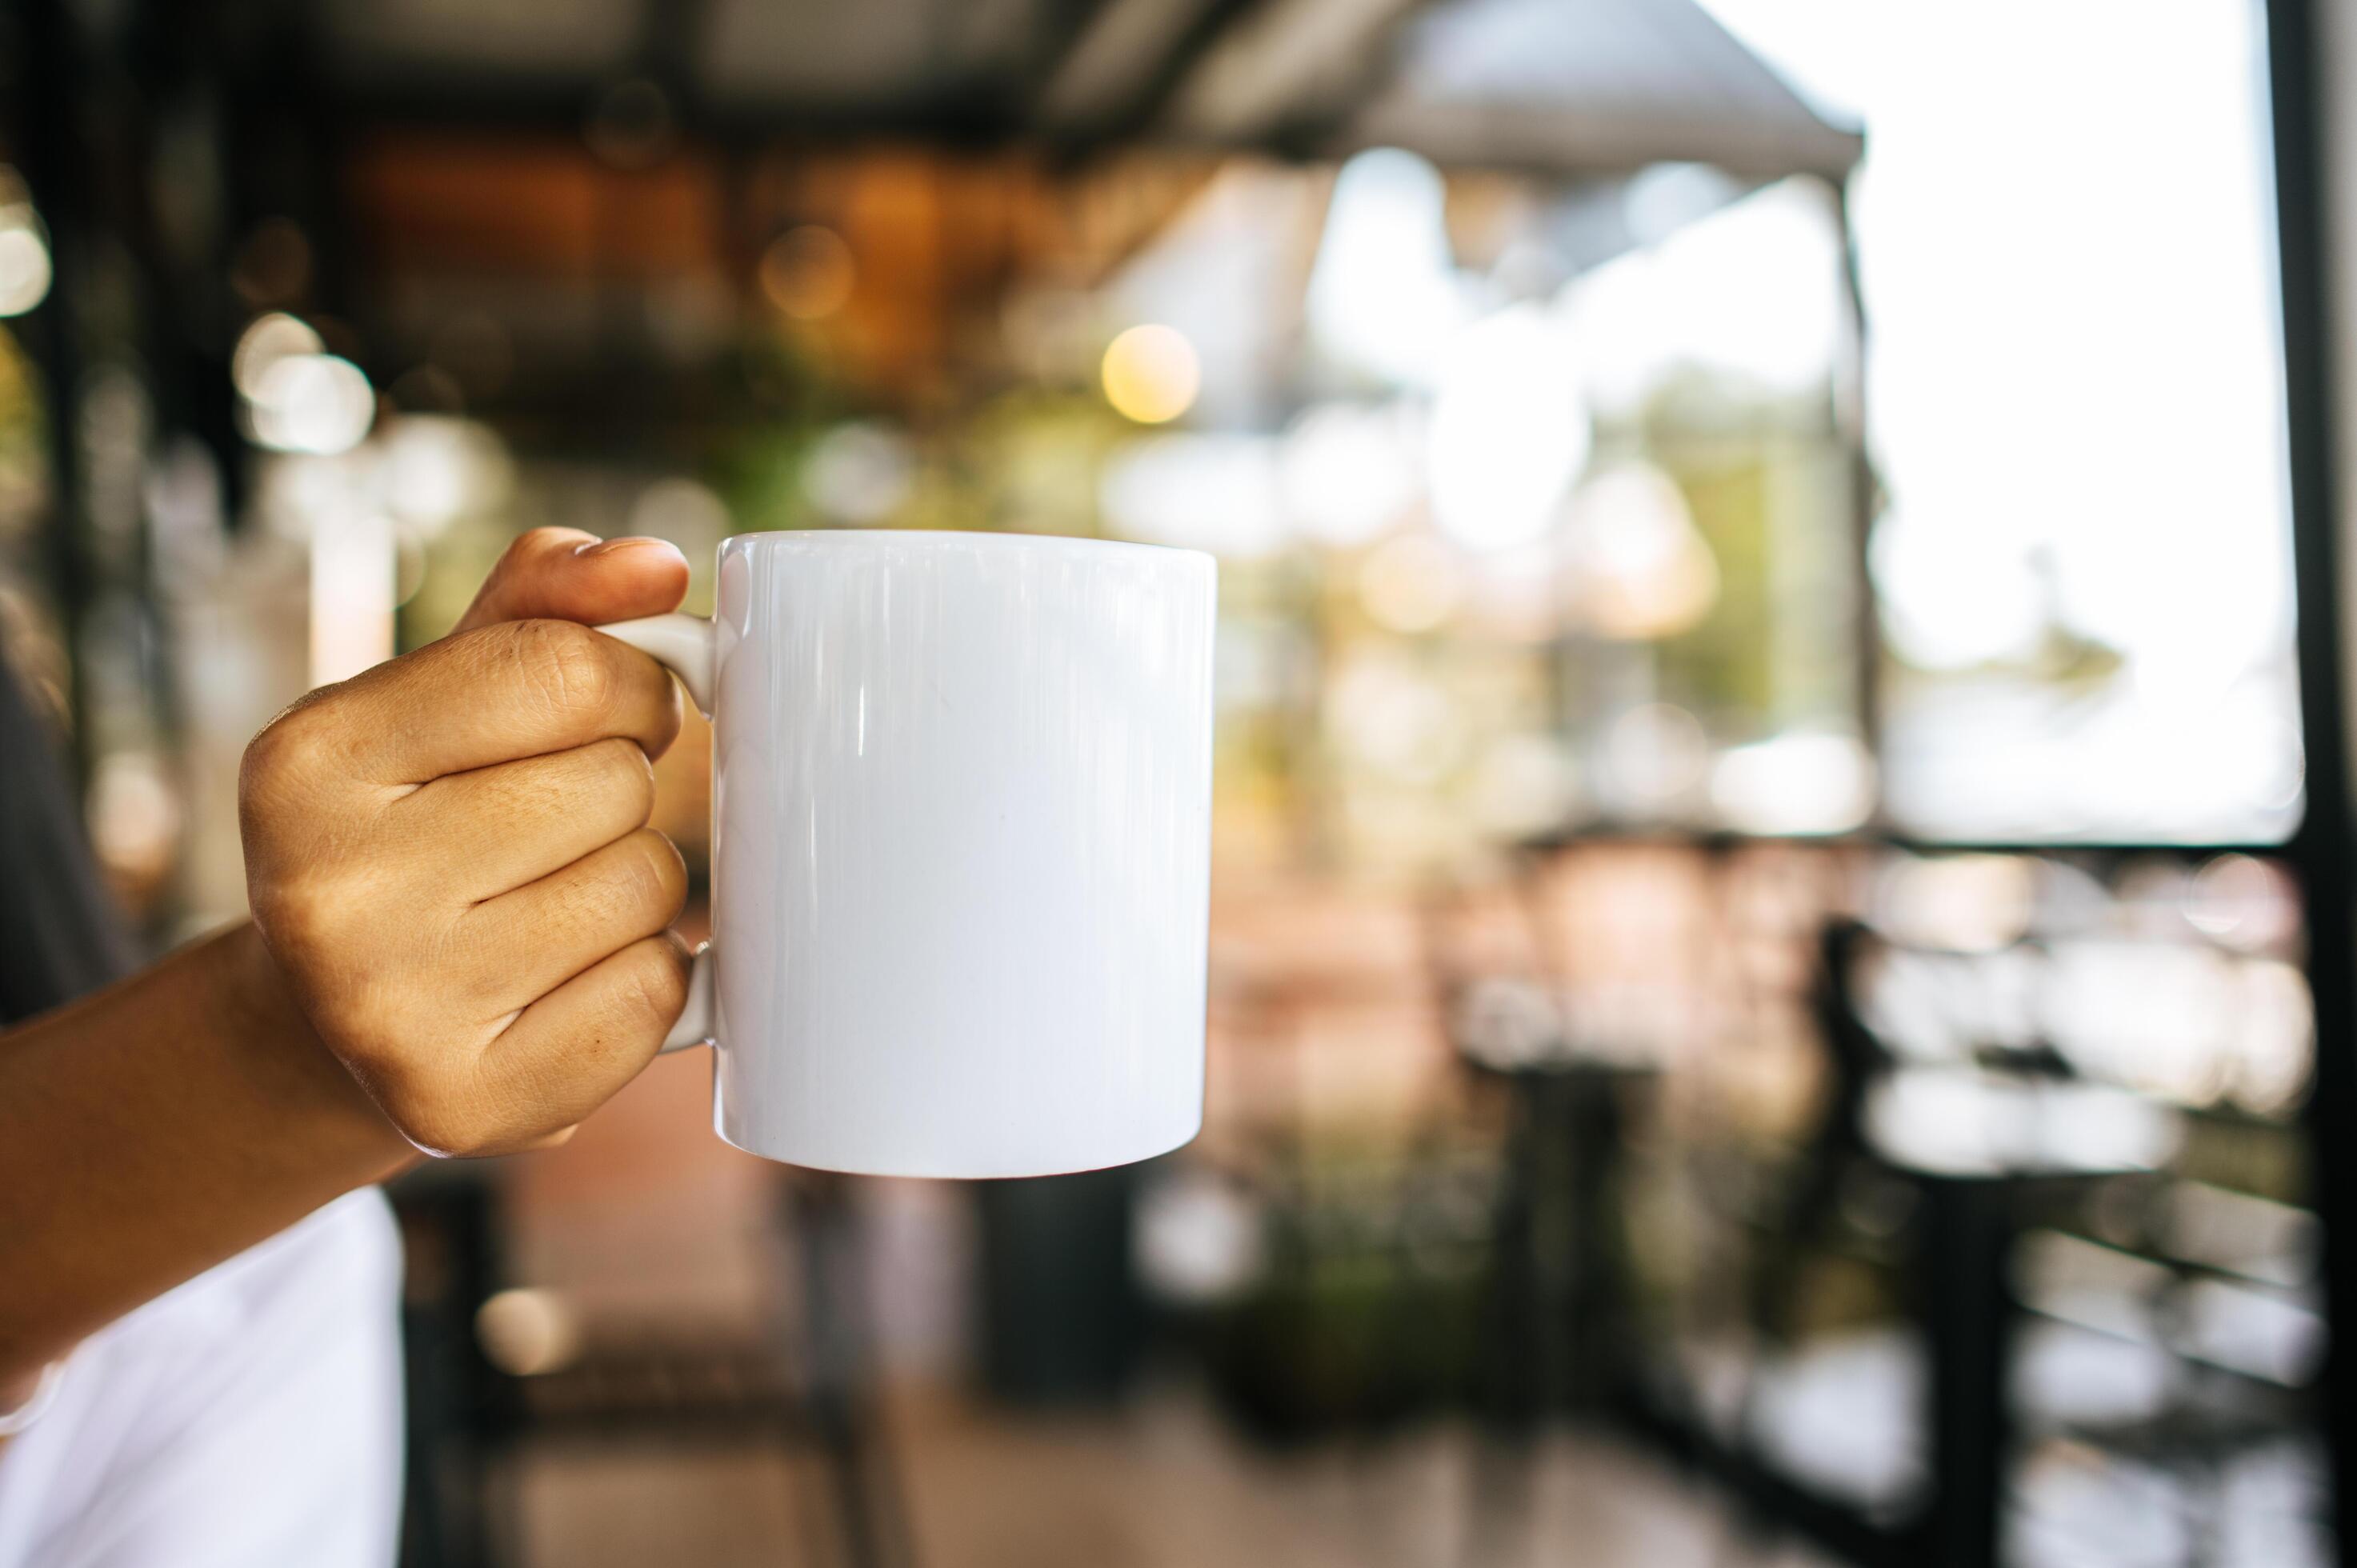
(251, 1419)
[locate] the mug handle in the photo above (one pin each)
(682, 644)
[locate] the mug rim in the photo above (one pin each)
(992, 540)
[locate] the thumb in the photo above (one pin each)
(562, 574)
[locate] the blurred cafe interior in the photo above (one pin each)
(1781, 984)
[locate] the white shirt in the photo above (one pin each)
(249, 1419)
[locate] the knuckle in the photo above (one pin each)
(317, 908)
(627, 890)
(567, 665)
(653, 984)
(535, 541)
(365, 1025)
(297, 907)
(298, 745)
(623, 777)
(659, 875)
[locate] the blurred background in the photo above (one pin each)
(1762, 997)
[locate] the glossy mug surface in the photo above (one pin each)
(961, 848)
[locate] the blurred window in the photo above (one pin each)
(2083, 564)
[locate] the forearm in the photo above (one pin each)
(159, 1128)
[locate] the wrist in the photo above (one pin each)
(152, 1130)
(261, 1007)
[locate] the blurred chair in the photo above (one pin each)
(1559, 1301)
(806, 1382)
(2000, 1159)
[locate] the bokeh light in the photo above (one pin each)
(135, 816)
(267, 340)
(24, 261)
(437, 468)
(317, 404)
(2243, 903)
(1198, 1238)
(1151, 373)
(527, 1333)
(25, 264)
(808, 273)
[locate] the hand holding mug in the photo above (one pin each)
(960, 851)
(448, 858)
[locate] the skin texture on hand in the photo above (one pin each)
(453, 883)
(449, 859)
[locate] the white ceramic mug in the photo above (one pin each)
(961, 848)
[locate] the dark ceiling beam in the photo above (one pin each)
(494, 106)
(1143, 107)
(1563, 139)
(1066, 23)
(667, 49)
(1311, 125)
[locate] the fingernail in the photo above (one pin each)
(636, 541)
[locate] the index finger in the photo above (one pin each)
(517, 688)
